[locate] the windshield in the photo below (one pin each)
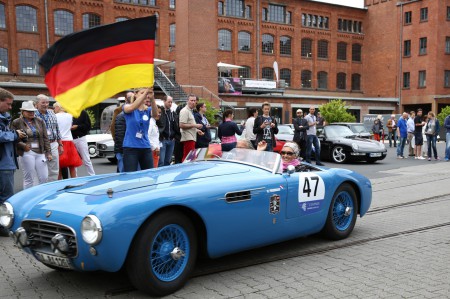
(359, 129)
(267, 160)
(285, 130)
(338, 131)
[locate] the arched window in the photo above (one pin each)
(121, 19)
(285, 45)
(322, 80)
(306, 79)
(306, 47)
(267, 73)
(341, 79)
(356, 52)
(322, 49)
(267, 43)
(2, 16)
(91, 20)
(244, 41)
(63, 22)
(341, 51)
(3, 60)
(172, 30)
(356, 82)
(28, 62)
(26, 18)
(245, 72)
(285, 74)
(225, 40)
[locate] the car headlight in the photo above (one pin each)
(355, 146)
(6, 215)
(91, 230)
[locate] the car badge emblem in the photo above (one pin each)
(48, 214)
(274, 207)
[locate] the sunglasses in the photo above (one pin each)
(287, 153)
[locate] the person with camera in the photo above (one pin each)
(34, 151)
(8, 161)
(266, 127)
(392, 129)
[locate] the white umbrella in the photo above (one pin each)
(223, 67)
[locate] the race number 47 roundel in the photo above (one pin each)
(311, 192)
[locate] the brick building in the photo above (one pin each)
(323, 51)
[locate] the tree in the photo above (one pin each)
(91, 115)
(444, 112)
(211, 111)
(336, 111)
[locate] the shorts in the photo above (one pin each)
(418, 138)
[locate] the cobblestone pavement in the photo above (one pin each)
(401, 249)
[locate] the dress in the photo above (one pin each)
(70, 156)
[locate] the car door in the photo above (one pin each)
(307, 202)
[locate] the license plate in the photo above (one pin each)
(375, 154)
(57, 261)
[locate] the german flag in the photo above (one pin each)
(85, 68)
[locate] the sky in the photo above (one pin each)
(353, 3)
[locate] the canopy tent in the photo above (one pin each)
(161, 62)
(223, 67)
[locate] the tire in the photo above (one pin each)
(338, 155)
(342, 214)
(157, 241)
(92, 149)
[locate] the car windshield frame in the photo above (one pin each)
(283, 129)
(269, 161)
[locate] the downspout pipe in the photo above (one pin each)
(47, 34)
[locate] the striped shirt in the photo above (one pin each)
(51, 123)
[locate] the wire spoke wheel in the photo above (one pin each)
(169, 252)
(342, 214)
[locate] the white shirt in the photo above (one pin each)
(153, 135)
(65, 123)
(249, 128)
(312, 128)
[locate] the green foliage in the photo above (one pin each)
(444, 112)
(211, 111)
(336, 111)
(91, 115)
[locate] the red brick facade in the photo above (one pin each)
(196, 51)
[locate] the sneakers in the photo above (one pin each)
(420, 158)
(400, 157)
(429, 159)
(437, 159)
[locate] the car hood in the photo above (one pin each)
(363, 143)
(80, 195)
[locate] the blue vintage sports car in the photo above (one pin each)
(155, 222)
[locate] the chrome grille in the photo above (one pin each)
(40, 234)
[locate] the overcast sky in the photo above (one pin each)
(353, 3)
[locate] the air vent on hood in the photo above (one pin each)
(237, 196)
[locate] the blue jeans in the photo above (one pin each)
(119, 158)
(135, 157)
(392, 136)
(6, 185)
(165, 152)
(401, 146)
(431, 140)
(447, 146)
(226, 147)
(310, 140)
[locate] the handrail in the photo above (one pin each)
(164, 75)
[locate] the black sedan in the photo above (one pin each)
(339, 144)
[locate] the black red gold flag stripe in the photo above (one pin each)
(84, 68)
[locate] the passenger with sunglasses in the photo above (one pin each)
(289, 155)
